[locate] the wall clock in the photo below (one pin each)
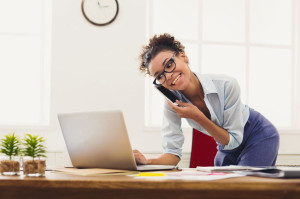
(100, 12)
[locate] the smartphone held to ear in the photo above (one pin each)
(167, 93)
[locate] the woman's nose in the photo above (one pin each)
(169, 75)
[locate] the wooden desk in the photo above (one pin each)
(70, 186)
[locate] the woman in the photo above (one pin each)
(211, 104)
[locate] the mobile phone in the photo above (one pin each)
(167, 93)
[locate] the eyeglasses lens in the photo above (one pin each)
(169, 67)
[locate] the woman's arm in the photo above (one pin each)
(187, 110)
(218, 133)
(164, 159)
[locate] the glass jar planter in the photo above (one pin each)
(34, 167)
(10, 166)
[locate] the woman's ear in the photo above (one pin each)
(184, 57)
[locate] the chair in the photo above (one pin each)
(204, 149)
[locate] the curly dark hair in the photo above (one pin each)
(157, 44)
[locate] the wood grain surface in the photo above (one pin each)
(55, 185)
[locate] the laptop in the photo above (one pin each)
(100, 140)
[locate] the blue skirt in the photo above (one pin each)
(259, 146)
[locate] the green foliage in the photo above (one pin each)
(34, 146)
(10, 145)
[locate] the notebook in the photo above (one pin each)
(100, 140)
(271, 171)
(274, 172)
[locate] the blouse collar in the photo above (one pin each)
(207, 83)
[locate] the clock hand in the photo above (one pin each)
(102, 6)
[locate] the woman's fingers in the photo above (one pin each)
(170, 104)
(136, 151)
(182, 104)
(139, 157)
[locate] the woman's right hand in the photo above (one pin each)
(139, 157)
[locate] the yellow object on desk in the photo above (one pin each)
(146, 174)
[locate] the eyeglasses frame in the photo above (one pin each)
(164, 71)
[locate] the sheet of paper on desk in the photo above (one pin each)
(230, 168)
(92, 171)
(202, 176)
(190, 175)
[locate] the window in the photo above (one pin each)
(24, 63)
(254, 41)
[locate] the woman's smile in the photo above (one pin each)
(176, 80)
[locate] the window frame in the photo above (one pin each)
(45, 67)
(294, 47)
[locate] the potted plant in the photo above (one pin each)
(34, 151)
(10, 147)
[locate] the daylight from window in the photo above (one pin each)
(24, 63)
(254, 41)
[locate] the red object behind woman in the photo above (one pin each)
(204, 149)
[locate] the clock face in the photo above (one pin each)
(100, 12)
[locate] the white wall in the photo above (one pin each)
(96, 68)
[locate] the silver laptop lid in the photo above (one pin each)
(97, 140)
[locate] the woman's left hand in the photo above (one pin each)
(185, 110)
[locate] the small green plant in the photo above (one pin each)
(34, 146)
(10, 145)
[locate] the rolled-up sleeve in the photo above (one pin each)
(172, 135)
(233, 114)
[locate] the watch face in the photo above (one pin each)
(100, 12)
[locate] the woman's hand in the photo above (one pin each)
(185, 110)
(139, 157)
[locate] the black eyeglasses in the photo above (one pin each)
(168, 68)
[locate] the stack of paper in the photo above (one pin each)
(274, 172)
(230, 168)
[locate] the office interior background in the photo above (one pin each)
(54, 61)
